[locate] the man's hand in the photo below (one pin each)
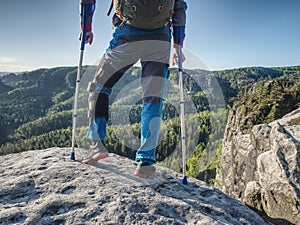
(89, 37)
(175, 55)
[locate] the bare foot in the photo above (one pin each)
(94, 159)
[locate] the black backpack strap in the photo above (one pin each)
(110, 8)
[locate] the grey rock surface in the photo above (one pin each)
(262, 168)
(45, 187)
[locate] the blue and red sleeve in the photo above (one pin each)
(179, 21)
(87, 8)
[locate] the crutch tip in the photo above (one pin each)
(72, 156)
(184, 180)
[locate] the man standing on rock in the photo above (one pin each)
(142, 31)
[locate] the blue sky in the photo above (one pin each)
(224, 34)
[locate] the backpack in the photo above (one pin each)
(145, 14)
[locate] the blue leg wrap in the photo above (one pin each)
(151, 120)
(97, 129)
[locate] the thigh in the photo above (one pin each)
(119, 57)
(108, 73)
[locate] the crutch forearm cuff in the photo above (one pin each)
(178, 35)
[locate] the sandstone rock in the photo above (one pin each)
(279, 176)
(263, 168)
(253, 195)
(207, 175)
(45, 187)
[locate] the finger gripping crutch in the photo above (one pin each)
(82, 44)
(182, 121)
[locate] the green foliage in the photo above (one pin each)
(43, 125)
(30, 97)
(268, 100)
(4, 88)
(57, 138)
(62, 96)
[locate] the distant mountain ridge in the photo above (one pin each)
(3, 73)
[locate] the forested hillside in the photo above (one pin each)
(4, 88)
(36, 110)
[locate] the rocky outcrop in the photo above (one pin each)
(207, 175)
(45, 187)
(263, 168)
